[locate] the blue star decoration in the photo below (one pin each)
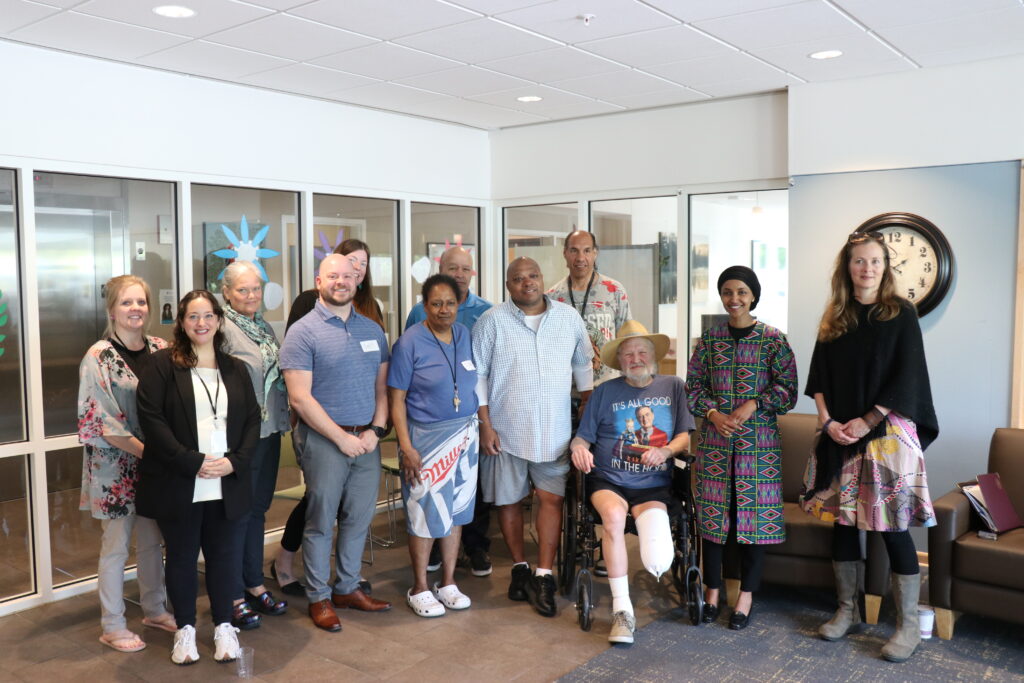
(246, 249)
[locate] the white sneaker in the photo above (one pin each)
(623, 625)
(225, 643)
(451, 597)
(184, 651)
(424, 604)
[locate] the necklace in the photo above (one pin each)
(451, 366)
(586, 297)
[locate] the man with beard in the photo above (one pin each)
(335, 364)
(528, 351)
(635, 477)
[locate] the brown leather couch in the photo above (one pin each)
(805, 559)
(971, 574)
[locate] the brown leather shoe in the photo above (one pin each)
(322, 614)
(359, 600)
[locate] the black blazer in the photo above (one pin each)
(170, 458)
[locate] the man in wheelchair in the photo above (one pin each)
(630, 430)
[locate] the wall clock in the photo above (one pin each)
(920, 257)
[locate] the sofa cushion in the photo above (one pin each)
(806, 536)
(999, 562)
(796, 431)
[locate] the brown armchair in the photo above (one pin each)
(805, 559)
(971, 574)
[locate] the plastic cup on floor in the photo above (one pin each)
(926, 617)
(245, 662)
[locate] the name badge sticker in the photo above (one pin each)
(218, 441)
(369, 345)
(468, 364)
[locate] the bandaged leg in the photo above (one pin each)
(656, 548)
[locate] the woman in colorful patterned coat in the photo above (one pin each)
(741, 376)
(108, 427)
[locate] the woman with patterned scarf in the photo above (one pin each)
(251, 340)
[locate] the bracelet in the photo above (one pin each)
(711, 410)
(824, 427)
(873, 417)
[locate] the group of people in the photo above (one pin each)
(487, 403)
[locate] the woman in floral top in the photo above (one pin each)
(108, 426)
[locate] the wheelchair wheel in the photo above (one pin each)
(584, 594)
(567, 550)
(694, 596)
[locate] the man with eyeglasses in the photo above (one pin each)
(335, 364)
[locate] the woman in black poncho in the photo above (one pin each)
(869, 381)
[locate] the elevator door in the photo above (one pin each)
(78, 250)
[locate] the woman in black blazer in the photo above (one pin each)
(201, 422)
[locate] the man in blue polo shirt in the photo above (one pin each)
(335, 365)
(476, 542)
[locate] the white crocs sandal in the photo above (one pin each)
(451, 597)
(424, 604)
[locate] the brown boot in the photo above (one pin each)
(906, 589)
(847, 617)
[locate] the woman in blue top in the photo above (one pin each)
(432, 392)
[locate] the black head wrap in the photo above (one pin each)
(746, 276)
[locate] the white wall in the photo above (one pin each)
(959, 114)
(67, 108)
(719, 141)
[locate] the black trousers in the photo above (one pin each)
(751, 556)
(898, 544)
(203, 526)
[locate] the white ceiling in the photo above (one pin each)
(466, 61)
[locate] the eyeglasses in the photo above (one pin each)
(860, 237)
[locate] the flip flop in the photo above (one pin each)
(168, 624)
(123, 641)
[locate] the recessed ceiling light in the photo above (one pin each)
(826, 54)
(529, 98)
(174, 11)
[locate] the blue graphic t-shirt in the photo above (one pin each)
(622, 422)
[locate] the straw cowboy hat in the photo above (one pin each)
(632, 329)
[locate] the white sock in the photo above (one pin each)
(541, 572)
(620, 594)
(525, 564)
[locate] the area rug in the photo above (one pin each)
(781, 645)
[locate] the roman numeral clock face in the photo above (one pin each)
(920, 257)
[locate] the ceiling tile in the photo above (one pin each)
(464, 81)
(585, 108)
(63, 4)
(660, 98)
(211, 15)
(552, 98)
(492, 7)
(748, 86)
(92, 36)
(387, 96)
(552, 65)
(289, 37)
(279, 5)
(781, 25)
(17, 13)
(971, 54)
(385, 19)
(210, 59)
(386, 61)
(961, 33)
(885, 13)
(728, 67)
(561, 19)
(476, 114)
(306, 79)
(615, 84)
(477, 41)
(862, 56)
(659, 46)
(697, 10)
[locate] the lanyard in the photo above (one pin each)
(455, 350)
(586, 297)
(213, 400)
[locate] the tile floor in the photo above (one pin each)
(495, 640)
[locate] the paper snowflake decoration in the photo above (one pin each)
(325, 249)
(246, 249)
(458, 243)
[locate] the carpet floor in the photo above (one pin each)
(781, 645)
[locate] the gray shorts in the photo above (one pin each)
(505, 479)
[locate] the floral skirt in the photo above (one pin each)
(883, 489)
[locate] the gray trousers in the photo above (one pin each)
(117, 536)
(342, 488)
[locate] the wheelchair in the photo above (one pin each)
(579, 545)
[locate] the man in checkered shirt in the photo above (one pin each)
(528, 351)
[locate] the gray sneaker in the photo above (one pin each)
(623, 625)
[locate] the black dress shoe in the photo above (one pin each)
(290, 588)
(738, 621)
(540, 592)
(711, 613)
(517, 586)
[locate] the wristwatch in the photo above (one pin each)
(381, 432)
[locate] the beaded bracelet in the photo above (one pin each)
(824, 427)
